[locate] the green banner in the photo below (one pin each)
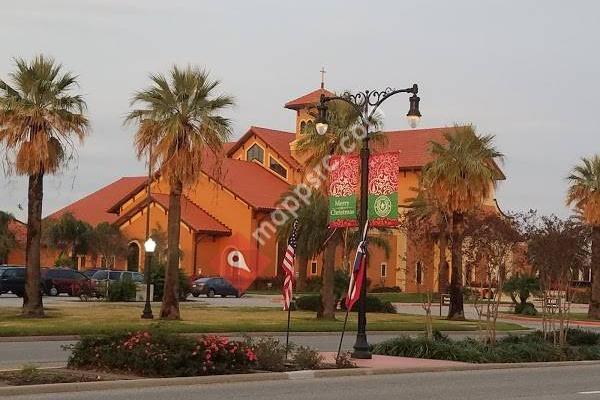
(342, 208)
(383, 206)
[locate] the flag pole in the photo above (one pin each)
(342, 338)
(287, 335)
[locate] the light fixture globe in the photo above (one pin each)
(321, 128)
(150, 245)
(414, 115)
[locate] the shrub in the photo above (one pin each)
(581, 296)
(307, 358)
(156, 353)
(158, 279)
(270, 353)
(310, 302)
(313, 284)
(64, 261)
(374, 305)
(385, 289)
(345, 360)
(121, 290)
(526, 309)
(582, 337)
(262, 283)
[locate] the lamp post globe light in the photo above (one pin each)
(149, 247)
(366, 103)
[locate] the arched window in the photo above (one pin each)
(133, 257)
(255, 152)
(277, 168)
(419, 272)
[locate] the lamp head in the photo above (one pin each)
(150, 245)
(414, 115)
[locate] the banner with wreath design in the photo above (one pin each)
(343, 183)
(383, 189)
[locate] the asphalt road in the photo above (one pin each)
(556, 383)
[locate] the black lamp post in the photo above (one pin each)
(149, 247)
(366, 104)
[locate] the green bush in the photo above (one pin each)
(270, 353)
(525, 348)
(64, 261)
(307, 358)
(160, 354)
(313, 284)
(374, 305)
(312, 302)
(309, 302)
(121, 290)
(158, 279)
(526, 309)
(385, 289)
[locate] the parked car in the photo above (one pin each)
(214, 286)
(12, 279)
(102, 278)
(90, 272)
(65, 280)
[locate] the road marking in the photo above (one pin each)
(590, 392)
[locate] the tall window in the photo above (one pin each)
(419, 272)
(277, 168)
(383, 270)
(255, 152)
(313, 267)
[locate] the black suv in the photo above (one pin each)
(12, 279)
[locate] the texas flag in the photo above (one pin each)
(356, 279)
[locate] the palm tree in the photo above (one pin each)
(584, 194)
(7, 237)
(460, 177)
(312, 231)
(40, 118)
(426, 212)
(179, 118)
(343, 136)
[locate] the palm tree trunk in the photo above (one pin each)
(327, 288)
(456, 310)
(594, 310)
(32, 299)
(302, 271)
(170, 302)
(443, 268)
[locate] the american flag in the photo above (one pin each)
(288, 266)
(356, 279)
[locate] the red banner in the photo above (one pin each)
(343, 183)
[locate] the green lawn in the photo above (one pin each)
(90, 318)
(572, 316)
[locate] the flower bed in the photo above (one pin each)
(154, 353)
(581, 345)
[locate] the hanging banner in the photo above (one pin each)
(383, 189)
(344, 174)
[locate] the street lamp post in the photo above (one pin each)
(366, 104)
(149, 247)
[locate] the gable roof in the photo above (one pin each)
(94, 207)
(249, 181)
(276, 139)
(308, 99)
(194, 216)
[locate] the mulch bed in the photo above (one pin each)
(34, 376)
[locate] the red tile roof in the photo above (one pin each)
(194, 216)
(249, 181)
(414, 144)
(277, 140)
(93, 208)
(309, 99)
(19, 229)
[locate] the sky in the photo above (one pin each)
(524, 71)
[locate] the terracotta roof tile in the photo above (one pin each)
(19, 229)
(194, 216)
(308, 99)
(93, 208)
(276, 139)
(413, 145)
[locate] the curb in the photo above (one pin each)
(265, 376)
(512, 317)
(65, 338)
